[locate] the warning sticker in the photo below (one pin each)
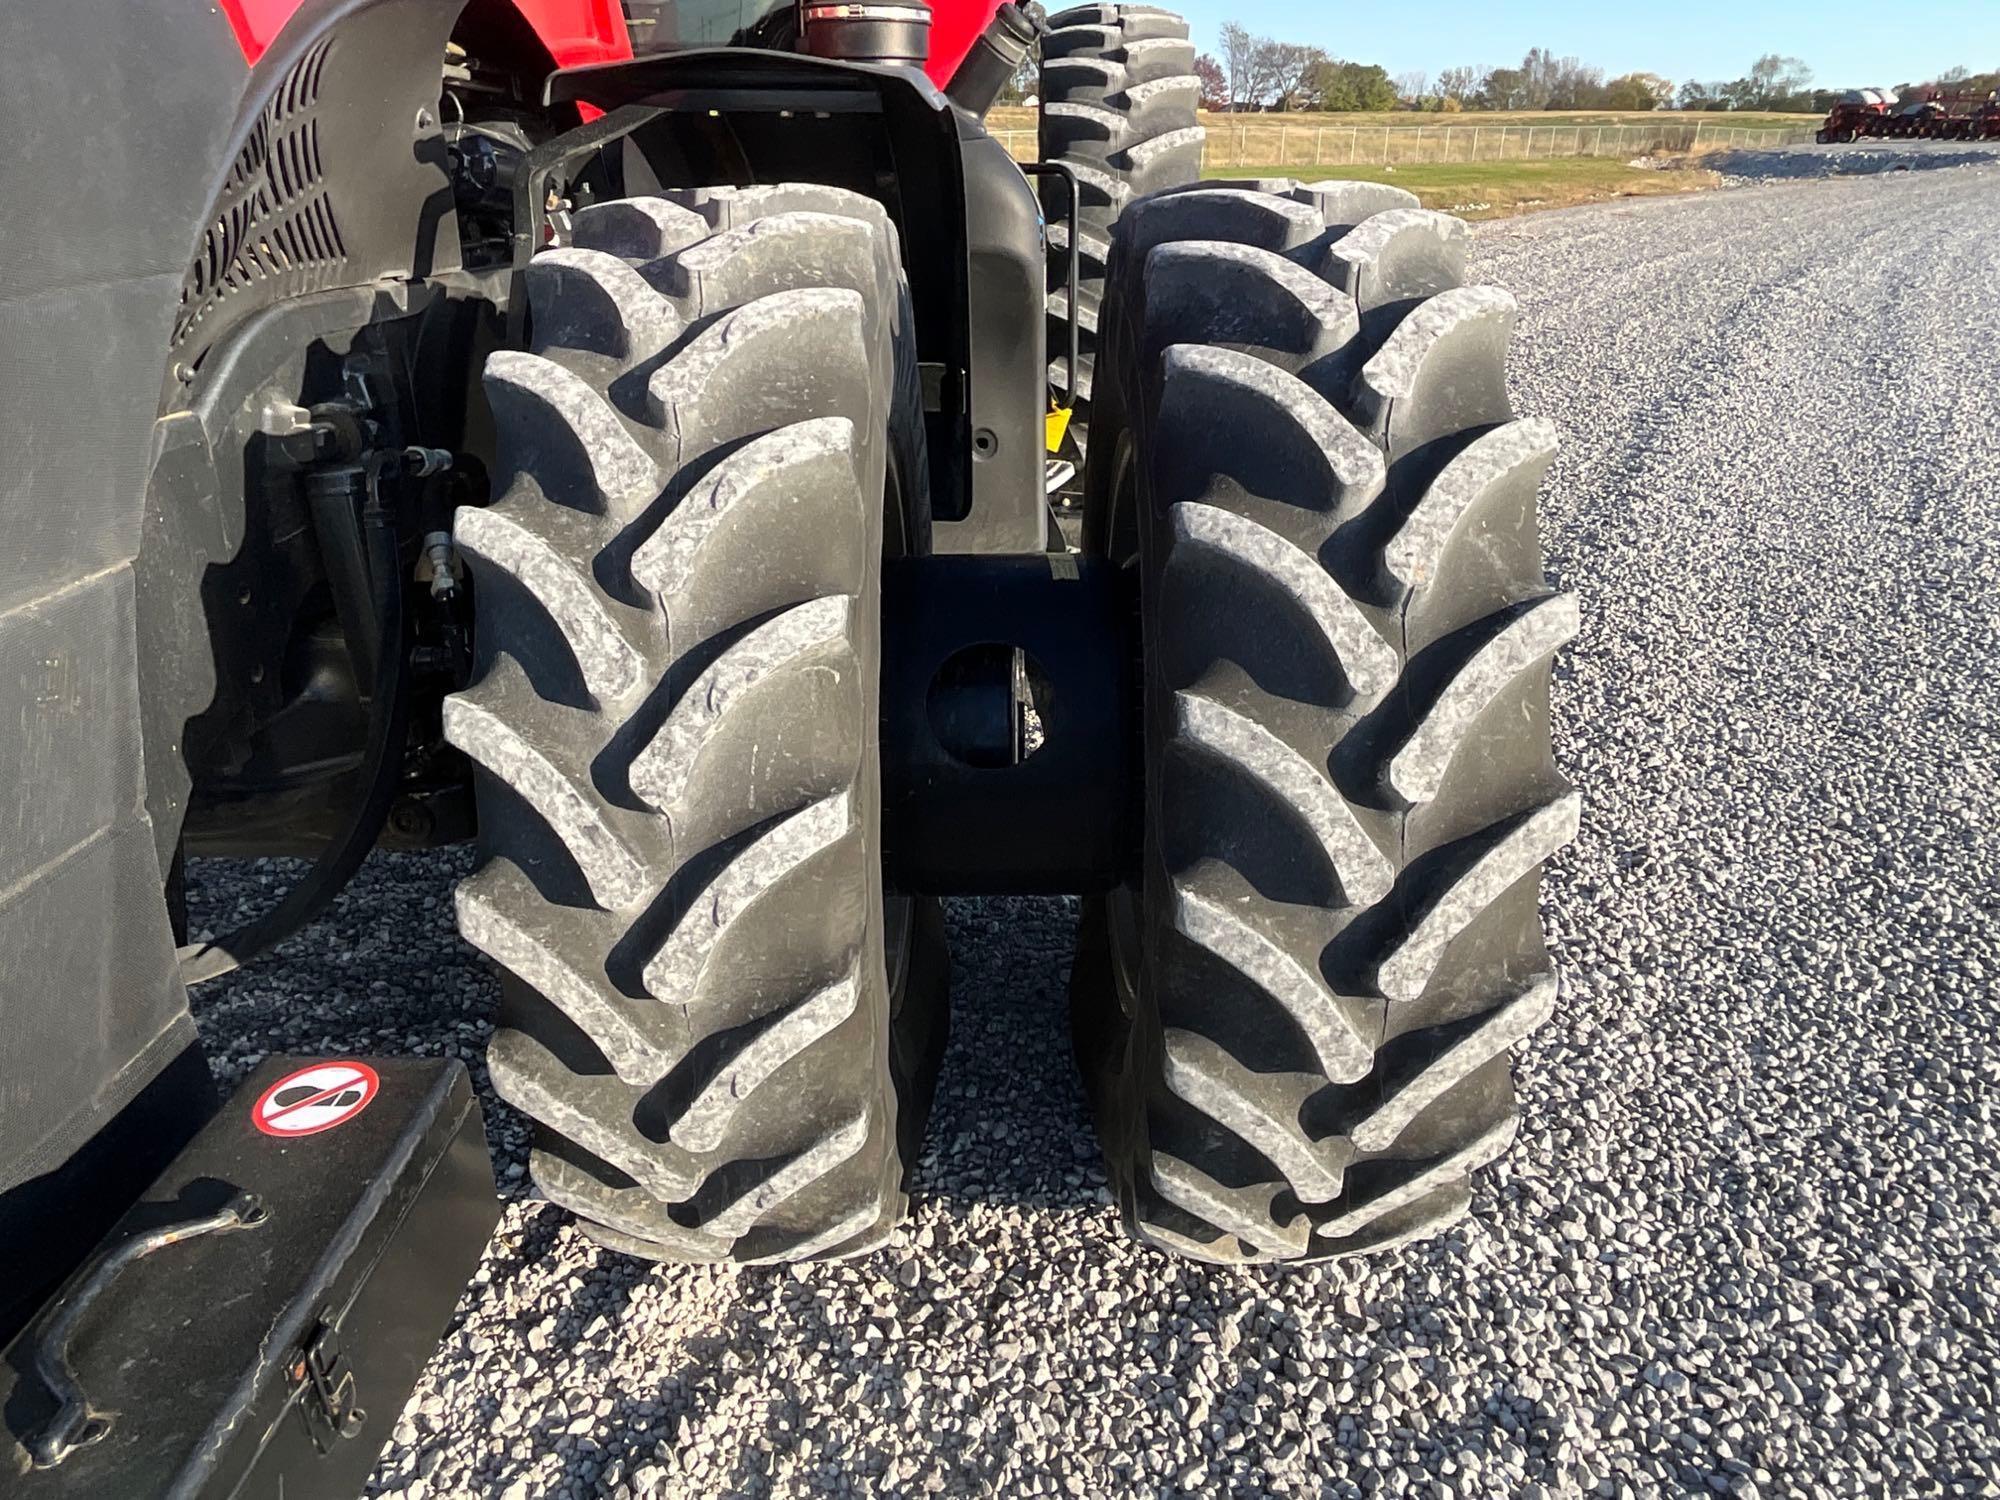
(315, 1099)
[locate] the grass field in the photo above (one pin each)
(1480, 165)
(1017, 117)
(1323, 145)
(1492, 190)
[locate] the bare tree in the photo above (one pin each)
(1239, 49)
(1411, 87)
(1578, 86)
(1267, 72)
(1775, 79)
(1459, 83)
(1504, 88)
(1545, 81)
(1538, 78)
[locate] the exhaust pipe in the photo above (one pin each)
(995, 57)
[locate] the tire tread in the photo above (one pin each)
(672, 714)
(1338, 551)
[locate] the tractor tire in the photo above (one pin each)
(723, 1032)
(1119, 95)
(1295, 1020)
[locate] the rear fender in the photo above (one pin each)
(973, 243)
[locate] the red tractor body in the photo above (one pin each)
(577, 32)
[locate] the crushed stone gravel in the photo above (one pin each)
(1856, 159)
(1747, 1242)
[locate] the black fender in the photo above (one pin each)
(973, 238)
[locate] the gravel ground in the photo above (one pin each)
(1747, 1241)
(1859, 159)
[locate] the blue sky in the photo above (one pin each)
(1847, 43)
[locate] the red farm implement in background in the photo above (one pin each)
(1876, 114)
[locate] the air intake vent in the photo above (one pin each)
(274, 232)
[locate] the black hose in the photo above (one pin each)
(381, 766)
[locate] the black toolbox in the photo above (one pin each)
(255, 1323)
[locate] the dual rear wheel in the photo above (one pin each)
(1295, 1020)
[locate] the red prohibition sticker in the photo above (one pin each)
(315, 1099)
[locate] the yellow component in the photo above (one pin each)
(1056, 424)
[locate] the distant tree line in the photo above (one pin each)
(1249, 72)
(1257, 73)
(1782, 83)
(1958, 81)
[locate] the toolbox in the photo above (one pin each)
(255, 1323)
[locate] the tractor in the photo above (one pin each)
(633, 439)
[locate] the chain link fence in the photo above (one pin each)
(1267, 143)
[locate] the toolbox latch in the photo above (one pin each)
(323, 1385)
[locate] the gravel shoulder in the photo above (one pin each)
(1747, 1242)
(1856, 159)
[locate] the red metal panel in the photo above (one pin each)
(592, 31)
(256, 23)
(579, 31)
(955, 26)
(574, 31)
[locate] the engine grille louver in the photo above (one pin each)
(275, 227)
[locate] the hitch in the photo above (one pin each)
(973, 803)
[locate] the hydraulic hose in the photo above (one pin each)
(368, 609)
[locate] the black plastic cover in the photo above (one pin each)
(195, 1356)
(1006, 258)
